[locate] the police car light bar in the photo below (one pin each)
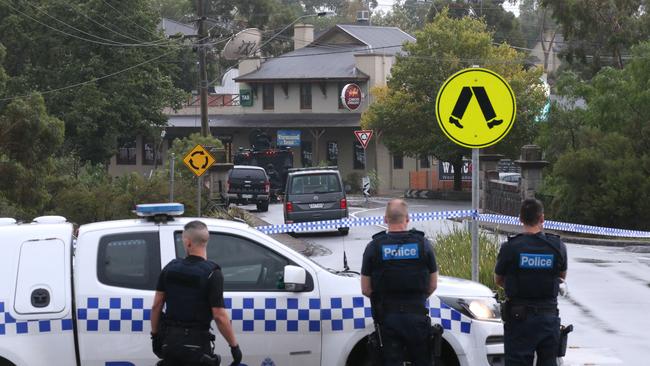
(154, 209)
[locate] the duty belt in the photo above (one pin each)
(186, 325)
(405, 308)
(541, 309)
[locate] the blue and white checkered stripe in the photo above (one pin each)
(361, 221)
(568, 227)
(10, 326)
(114, 314)
(263, 314)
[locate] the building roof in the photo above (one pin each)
(331, 55)
(270, 120)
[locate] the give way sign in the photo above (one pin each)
(364, 137)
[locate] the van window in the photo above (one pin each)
(315, 183)
(246, 265)
(129, 260)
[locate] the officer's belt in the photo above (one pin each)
(186, 325)
(405, 308)
(541, 309)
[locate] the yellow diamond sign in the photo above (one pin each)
(476, 108)
(199, 160)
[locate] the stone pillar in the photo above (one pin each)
(487, 168)
(531, 164)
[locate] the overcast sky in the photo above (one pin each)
(386, 5)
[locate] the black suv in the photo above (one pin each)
(248, 184)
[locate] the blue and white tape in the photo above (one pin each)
(444, 215)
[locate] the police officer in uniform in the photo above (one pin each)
(398, 274)
(192, 290)
(530, 267)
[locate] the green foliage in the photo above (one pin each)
(601, 170)
(354, 181)
(405, 110)
(454, 255)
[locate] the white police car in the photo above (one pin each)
(91, 305)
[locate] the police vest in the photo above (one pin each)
(400, 272)
(186, 292)
(536, 273)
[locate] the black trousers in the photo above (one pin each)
(538, 333)
(187, 347)
(406, 338)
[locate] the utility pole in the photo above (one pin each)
(203, 73)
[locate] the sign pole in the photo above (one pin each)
(198, 196)
(171, 177)
(475, 207)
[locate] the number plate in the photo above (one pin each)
(246, 196)
(315, 205)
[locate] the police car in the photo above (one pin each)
(87, 301)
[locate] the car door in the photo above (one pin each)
(273, 325)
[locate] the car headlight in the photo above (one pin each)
(485, 308)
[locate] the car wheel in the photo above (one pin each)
(263, 206)
(344, 230)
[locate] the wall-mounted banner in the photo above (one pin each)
(351, 96)
(446, 170)
(289, 138)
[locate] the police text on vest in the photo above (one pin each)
(536, 261)
(400, 251)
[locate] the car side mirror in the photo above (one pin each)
(295, 278)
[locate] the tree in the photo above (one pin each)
(407, 15)
(538, 27)
(602, 169)
(405, 110)
(100, 67)
(599, 32)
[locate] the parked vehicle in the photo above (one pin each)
(315, 194)
(246, 185)
(87, 302)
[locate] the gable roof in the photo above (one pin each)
(331, 55)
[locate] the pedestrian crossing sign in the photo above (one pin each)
(476, 108)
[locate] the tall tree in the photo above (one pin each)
(600, 32)
(100, 67)
(405, 110)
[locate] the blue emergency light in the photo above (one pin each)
(155, 209)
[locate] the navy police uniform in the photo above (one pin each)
(399, 265)
(531, 265)
(192, 287)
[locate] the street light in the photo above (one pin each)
(327, 14)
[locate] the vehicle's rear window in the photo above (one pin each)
(248, 173)
(315, 183)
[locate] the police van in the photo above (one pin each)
(87, 301)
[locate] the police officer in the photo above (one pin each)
(398, 274)
(530, 267)
(192, 290)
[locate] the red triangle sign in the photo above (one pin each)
(364, 137)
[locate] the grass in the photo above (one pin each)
(454, 255)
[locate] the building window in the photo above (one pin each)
(425, 163)
(332, 153)
(149, 153)
(305, 96)
(398, 161)
(126, 151)
(359, 157)
(306, 154)
(268, 96)
(129, 260)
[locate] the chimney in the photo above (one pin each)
(303, 34)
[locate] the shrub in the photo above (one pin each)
(454, 255)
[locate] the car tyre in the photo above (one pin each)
(263, 206)
(344, 230)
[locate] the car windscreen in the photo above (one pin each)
(315, 183)
(248, 173)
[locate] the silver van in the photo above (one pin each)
(315, 194)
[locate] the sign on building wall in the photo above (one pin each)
(289, 138)
(351, 96)
(446, 170)
(245, 98)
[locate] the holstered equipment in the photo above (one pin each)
(564, 337)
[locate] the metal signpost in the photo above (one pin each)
(364, 136)
(475, 124)
(198, 161)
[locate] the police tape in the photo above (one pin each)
(444, 215)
